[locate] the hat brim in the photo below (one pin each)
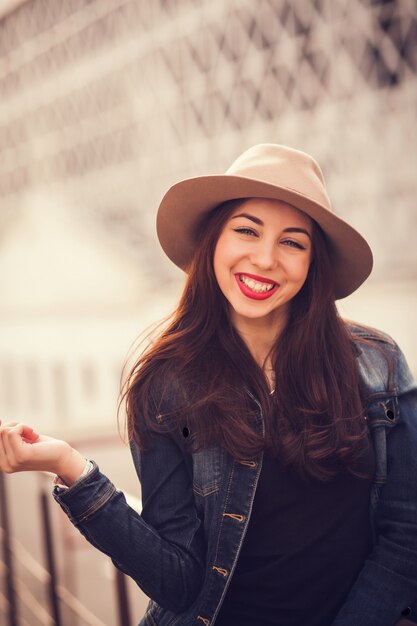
(186, 203)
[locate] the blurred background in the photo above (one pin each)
(103, 105)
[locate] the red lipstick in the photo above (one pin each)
(248, 292)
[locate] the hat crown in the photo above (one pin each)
(283, 167)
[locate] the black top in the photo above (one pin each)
(306, 543)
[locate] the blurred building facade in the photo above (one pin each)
(105, 103)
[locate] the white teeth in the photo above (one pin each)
(255, 285)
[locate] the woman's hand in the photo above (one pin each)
(22, 449)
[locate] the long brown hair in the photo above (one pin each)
(199, 378)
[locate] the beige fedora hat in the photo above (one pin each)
(264, 171)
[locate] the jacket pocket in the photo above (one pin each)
(206, 471)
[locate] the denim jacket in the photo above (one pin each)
(183, 548)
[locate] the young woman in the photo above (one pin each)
(275, 443)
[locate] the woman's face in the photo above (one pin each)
(261, 261)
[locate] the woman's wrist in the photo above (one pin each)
(72, 467)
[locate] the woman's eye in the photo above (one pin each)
(293, 244)
(245, 231)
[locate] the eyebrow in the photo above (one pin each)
(256, 220)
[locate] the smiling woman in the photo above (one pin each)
(274, 441)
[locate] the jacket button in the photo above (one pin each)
(221, 571)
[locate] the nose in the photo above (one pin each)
(265, 256)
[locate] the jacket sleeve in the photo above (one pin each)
(162, 548)
(387, 584)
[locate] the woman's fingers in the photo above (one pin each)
(26, 431)
(15, 446)
(29, 435)
(12, 441)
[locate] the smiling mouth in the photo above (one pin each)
(254, 288)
